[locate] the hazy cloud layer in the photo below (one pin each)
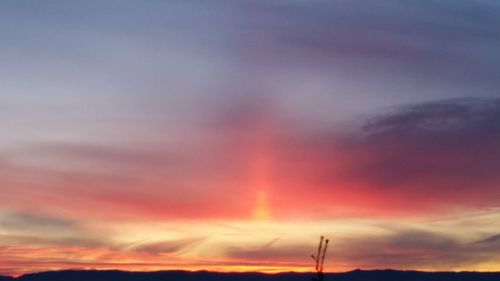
(412, 159)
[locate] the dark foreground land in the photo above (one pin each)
(357, 275)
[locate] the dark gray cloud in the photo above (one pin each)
(463, 116)
(445, 146)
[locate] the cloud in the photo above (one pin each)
(283, 253)
(105, 154)
(420, 158)
(167, 247)
(54, 241)
(28, 221)
(489, 241)
(402, 249)
(445, 149)
(23, 228)
(414, 249)
(424, 38)
(150, 181)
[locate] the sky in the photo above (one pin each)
(231, 135)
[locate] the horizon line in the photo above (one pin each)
(247, 272)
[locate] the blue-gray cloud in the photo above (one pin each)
(445, 145)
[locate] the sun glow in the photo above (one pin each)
(262, 212)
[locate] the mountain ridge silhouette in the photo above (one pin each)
(179, 275)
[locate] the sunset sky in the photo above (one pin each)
(229, 135)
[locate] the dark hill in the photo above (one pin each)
(357, 275)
